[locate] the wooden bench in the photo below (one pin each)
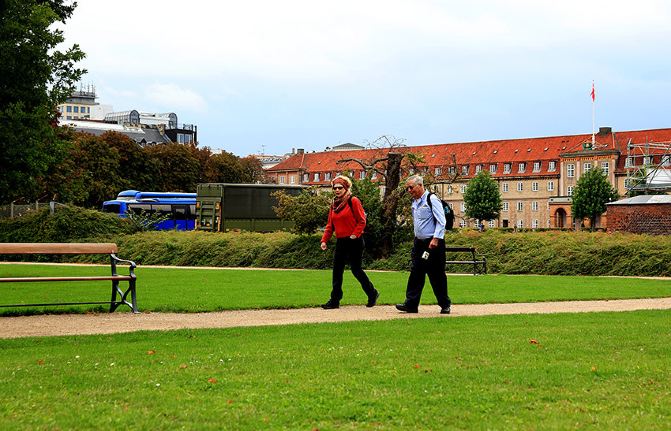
(479, 262)
(119, 296)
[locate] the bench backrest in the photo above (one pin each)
(57, 248)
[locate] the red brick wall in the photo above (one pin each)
(646, 218)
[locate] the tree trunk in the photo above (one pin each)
(390, 205)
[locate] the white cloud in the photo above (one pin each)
(173, 97)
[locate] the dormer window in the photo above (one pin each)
(316, 177)
(521, 167)
(507, 168)
(537, 166)
(478, 168)
(492, 168)
(464, 170)
(552, 166)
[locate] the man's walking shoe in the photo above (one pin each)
(405, 308)
(331, 305)
(373, 299)
(445, 310)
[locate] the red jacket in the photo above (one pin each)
(351, 220)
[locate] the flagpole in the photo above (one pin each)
(593, 116)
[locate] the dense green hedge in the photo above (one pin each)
(561, 253)
(549, 252)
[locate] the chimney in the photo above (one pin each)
(300, 150)
(605, 130)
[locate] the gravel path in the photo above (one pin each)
(84, 324)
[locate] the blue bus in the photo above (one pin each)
(180, 208)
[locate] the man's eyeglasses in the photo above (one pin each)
(409, 188)
(338, 187)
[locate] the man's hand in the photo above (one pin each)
(323, 246)
(352, 237)
(433, 243)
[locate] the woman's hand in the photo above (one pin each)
(352, 237)
(323, 246)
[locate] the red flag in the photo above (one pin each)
(593, 93)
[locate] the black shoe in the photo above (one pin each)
(373, 300)
(403, 307)
(331, 305)
(445, 310)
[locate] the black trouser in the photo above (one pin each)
(434, 267)
(351, 250)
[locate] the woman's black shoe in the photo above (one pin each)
(405, 308)
(330, 305)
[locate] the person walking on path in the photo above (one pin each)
(348, 219)
(428, 250)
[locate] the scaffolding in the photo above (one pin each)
(648, 167)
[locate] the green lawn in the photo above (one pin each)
(571, 371)
(192, 290)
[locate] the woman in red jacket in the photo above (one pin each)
(347, 219)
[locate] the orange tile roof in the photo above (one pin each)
(514, 151)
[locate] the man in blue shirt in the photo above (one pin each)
(428, 251)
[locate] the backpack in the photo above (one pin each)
(449, 214)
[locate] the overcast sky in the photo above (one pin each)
(268, 75)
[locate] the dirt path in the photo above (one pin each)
(83, 324)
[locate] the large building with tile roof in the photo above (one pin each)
(536, 176)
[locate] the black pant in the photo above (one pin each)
(434, 267)
(351, 250)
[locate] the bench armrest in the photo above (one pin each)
(129, 262)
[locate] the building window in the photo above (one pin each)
(306, 178)
(464, 170)
(68, 108)
(570, 170)
(627, 183)
(534, 206)
(462, 207)
(478, 168)
(647, 160)
(68, 118)
(76, 109)
(666, 160)
(628, 162)
(462, 223)
(534, 186)
(463, 188)
(569, 191)
(505, 207)
(316, 177)
(520, 206)
(520, 224)
(492, 223)
(537, 166)
(437, 171)
(551, 186)
(520, 186)
(586, 167)
(282, 179)
(504, 187)
(492, 169)
(451, 170)
(292, 179)
(605, 167)
(450, 190)
(521, 167)
(534, 224)
(327, 176)
(552, 166)
(507, 168)
(373, 175)
(362, 175)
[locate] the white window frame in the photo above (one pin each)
(492, 168)
(520, 206)
(552, 166)
(586, 167)
(551, 186)
(534, 186)
(316, 177)
(506, 207)
(537, 166)
(520, 186)
(521, 167)
(507, 168)
(569, 191)
(438, 171)
(504, 187)
(570, 170)
(534, 206)
(605, 167)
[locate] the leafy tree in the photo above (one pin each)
(177, 167)
(591, 194)
(308, 210)
(223, 168)
(482, 197)
(34, 77)
(252, 170)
